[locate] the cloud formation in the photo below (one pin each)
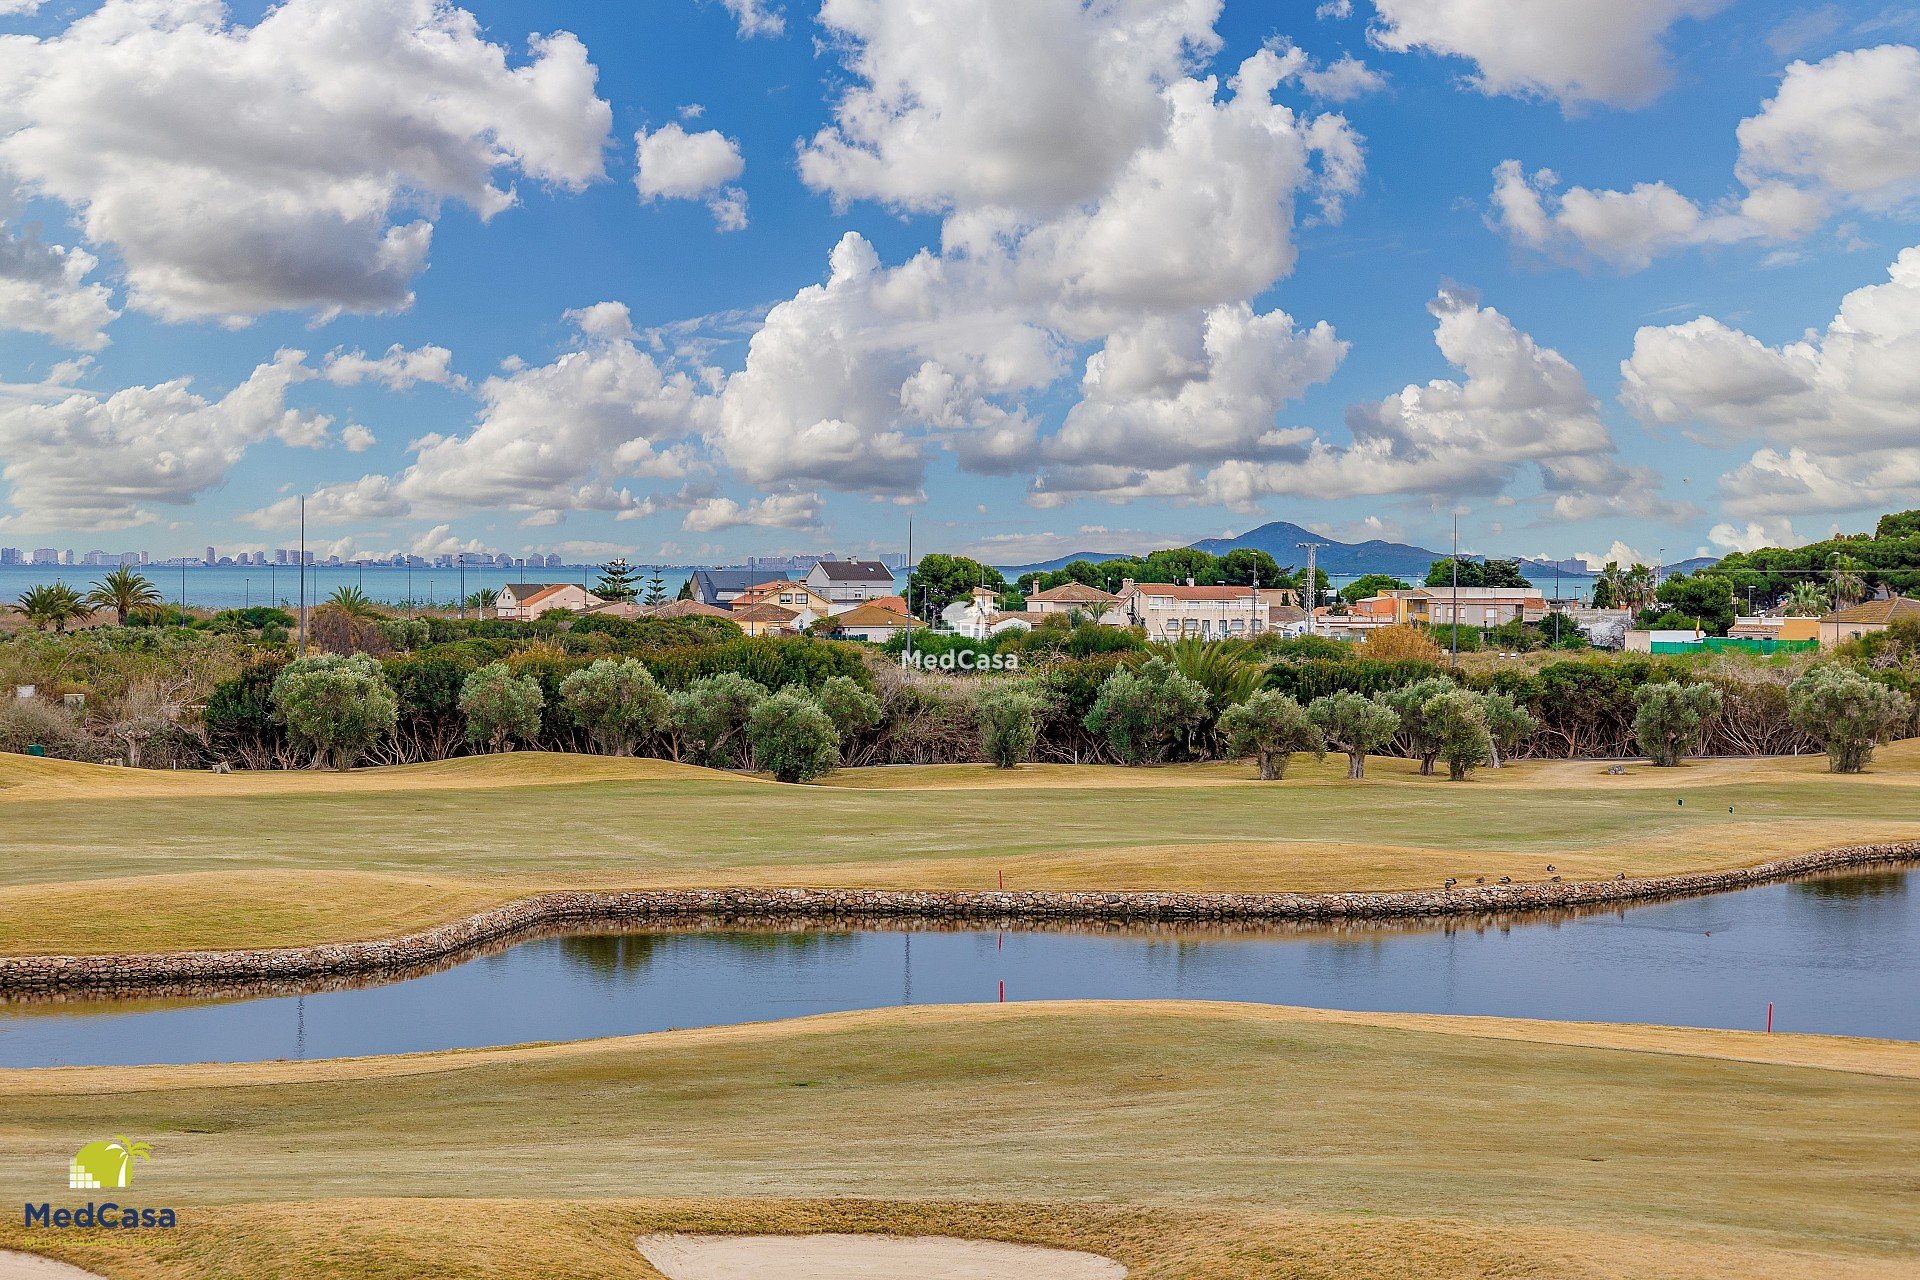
(1848, 398)
(296, 164)
(677, 165)
(1840, 133)
(1576, 52)
(93, 462)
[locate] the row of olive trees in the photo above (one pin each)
(340, 707)
(1845, 712)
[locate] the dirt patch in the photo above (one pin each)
(864, 1257)
(31, 1266)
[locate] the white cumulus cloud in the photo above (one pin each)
(677, 165)
(88, 461)
(295, 164)
(1577, 52)
(1846, 398)
(775, 511)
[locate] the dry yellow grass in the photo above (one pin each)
(107, 860)
(1211, 1141)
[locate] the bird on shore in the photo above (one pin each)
(1556, 879)
(1550, 866)
(1451, 882)
(1506, 879)
(1479, 879)
(1621, 876)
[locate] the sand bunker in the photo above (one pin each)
(830, 1257)
(27, 1266)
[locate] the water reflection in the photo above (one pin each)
(1839, 954)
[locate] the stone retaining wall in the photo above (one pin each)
(45, 975)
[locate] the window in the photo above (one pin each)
(1159, 602)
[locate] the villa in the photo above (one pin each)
(873, 622)
(1071, 597)
(850, 582)
(1172, 611)
(522, 600)
(1866, 619)
(719, 588)
(770, 619)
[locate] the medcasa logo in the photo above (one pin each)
(106, 1165)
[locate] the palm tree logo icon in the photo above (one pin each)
(108, 1163)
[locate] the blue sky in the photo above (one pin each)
(1003, 193)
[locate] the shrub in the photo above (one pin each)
(1401, 642)
(1316, 678)
(1846, 713)
(337, 706)
(710, 717)
(851, 708)
(1457, 721)
(240, 719)
(1672, 717)
(1354, 724)
(1009, 723)
(1144, 712)
(1270, 727)
(25, 722)
(617, 701)
(793, 737)
(500, 706)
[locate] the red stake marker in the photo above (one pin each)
(1003, 882)
(1003, 991)
(1769, 1016)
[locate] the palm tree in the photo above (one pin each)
(130, 1152)
(1228, 672)
(1806, 600)
(124, 592)
(53, 605)
(353, 602)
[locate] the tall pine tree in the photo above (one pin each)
(617, 581)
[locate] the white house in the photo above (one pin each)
(850, 582)
(1172, 611)
(531, 599)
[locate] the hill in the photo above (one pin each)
(1281, 539)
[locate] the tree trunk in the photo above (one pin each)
(1456, 771)
(1356, 764)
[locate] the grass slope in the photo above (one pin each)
(101, 860)
(1196, 1141)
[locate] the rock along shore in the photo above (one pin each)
(31, 976)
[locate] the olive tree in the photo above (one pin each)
(1846, 713)
(1270, 726)
(793, 736)
(617, 701)
(1144, 711)
(1355, 724)
(1009, 723)
(1409, 702)
(1672, 717)
(852, 709)
(1508, 724)
(500, 706)
(710, 716)
(1458, 722)
(338, 706)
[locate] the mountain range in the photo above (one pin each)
(1281, 539)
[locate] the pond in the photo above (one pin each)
(1838, 954)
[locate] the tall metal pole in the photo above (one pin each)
(1313, 580)
(906, 654)
(1453, 562)
(303, 575)
(461, 558)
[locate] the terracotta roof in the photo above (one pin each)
(897, 603)
(620, 609)
(527, 602)
(871, 614)
(1073, 593)
(1877, 613)
(524, 591)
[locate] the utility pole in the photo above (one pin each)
(1313, 580)
(303, 575)
(461, 557)
(906, 654)
(1453, 563)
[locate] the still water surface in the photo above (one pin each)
(1839, 954)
